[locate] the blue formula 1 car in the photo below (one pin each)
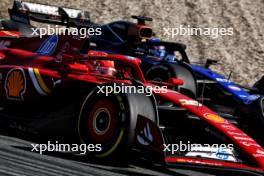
(164, 60)
(241, 105)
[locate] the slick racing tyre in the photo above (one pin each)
(256, 119)
(110, 121)
(260, 85)
(165, 71)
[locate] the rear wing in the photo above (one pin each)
(26, 11)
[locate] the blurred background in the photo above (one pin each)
(242, 53)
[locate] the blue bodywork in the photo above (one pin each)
(237, 92)
(229, 86)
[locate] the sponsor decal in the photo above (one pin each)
(38, 81)
(222, 80)
(236, 133)
(214, 118)
(15, 84)
(222, 154)
(235, 88)
(243, 138)
(250, 144)
(259, 153)
(48, 46)
(228, 127)
(145, 136)
(253, 97)
(190, 102)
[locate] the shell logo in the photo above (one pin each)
(15, 84)
(214, 117)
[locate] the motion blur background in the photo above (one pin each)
(243, 52)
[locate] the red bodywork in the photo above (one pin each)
(11, 34)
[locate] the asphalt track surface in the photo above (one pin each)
(17, 159)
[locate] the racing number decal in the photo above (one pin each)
(15, 84)
(214, 117)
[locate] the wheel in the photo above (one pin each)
(252, 119)
(255, 119)
(260, 85)
(165, 71)
(111, 121)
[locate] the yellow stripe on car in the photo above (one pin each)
(35, 82)
(41, 81)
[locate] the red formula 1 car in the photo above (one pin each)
(56, 86)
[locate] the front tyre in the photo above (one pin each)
(252, 119)
(260, 85)
(111, 122)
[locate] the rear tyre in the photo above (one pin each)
(110, 122)
(255, 120)
(260, 85)
(166, 71)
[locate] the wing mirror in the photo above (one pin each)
(176, 81)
